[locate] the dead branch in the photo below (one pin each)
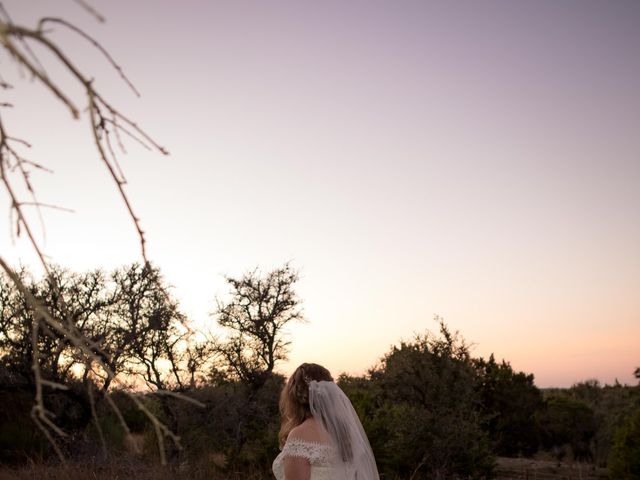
(105, 120)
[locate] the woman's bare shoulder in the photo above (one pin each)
(309, 431)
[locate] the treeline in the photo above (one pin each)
(430, 409)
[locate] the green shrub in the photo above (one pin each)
(624, 461)
(565, 421)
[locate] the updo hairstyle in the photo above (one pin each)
(294, 399)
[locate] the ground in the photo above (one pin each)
(528, 469)
(508, 469)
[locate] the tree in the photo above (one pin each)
(130, 322)
(624, 461)
(106, 123)
(430, 410)
(148, 327)
(508, 401)
(83, 300)
(255, 317)
(611, 405)
(567, 422)
(133, 324)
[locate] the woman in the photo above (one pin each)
(321, 437)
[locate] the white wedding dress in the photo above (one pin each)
(347, 455)
(322, 458)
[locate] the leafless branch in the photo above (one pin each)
(92, 11)
(105, 120)
(94, 42)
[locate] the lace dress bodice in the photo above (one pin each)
(322, 458)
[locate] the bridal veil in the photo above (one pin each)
(332, 408)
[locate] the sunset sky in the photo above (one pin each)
(477, 160)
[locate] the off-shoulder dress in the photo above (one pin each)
(322, 457)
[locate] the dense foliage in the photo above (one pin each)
(423, 410)
(624, 462)
(509, 401)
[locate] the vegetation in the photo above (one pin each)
(430, 409)
(566, 422)
(509, 401)
(430, 412)
(624, 462)
(259, 309)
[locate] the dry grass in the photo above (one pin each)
(530, 469)
(120, 472)
(130, 469)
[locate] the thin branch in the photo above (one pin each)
(94, 42)
(46, 205)
(179, 396)
(54, 385)
(96, 420)
(119, 128)
(92, 11)
(14, 39)
(38, 412)
(95, 125)
(21, 59)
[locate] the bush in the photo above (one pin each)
(509, 401)
(427, 422)
(564, 421)
(624, 461)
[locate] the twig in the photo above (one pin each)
(14, 39)
(46, 205)
(94, 42)
(96, 420)
(20, 58)
(184, 398)
(95, 125)
(92, 11)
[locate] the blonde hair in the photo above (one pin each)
(294, 399)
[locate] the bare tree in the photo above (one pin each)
(86, 302)
(148, 327)
(137, 326)
(255, 317)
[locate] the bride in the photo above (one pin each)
(321, 437)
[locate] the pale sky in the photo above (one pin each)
(478, 160)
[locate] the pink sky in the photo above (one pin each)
(475, 160)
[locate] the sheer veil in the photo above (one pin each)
(332, 408)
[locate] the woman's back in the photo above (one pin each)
(320, 434)
(307, 453)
